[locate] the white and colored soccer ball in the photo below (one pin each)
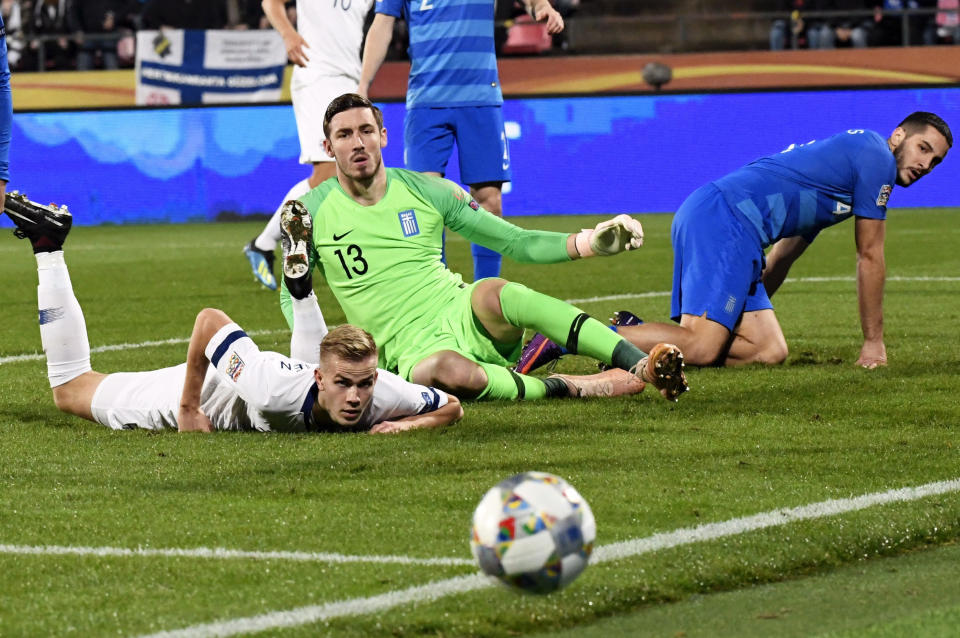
(534, 532)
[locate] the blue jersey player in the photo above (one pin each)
(453, 94)
(722, 283)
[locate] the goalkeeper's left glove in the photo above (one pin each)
(610, 237)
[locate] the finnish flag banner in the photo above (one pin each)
(209, 67)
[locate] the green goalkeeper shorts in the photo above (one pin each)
(456, 328)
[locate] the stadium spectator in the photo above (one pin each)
(849, 31)
(184, 14)
(12, 14)
(947, 22)
(97, 25)
(453, 94)
(325, 49)
(379, 249)
(227, 383)
(722, 283)
(784, 30)
(58, 51)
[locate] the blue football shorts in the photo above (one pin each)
(717, 262)
(429, 133)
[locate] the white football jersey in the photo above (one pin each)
(248, 389)
(333, 30)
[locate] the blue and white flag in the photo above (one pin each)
(209, 67)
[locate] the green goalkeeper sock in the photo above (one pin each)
(566, 325)
(503, 383)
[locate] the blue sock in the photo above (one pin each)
(486, 263)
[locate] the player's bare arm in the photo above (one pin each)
(190, 417)
(293, 42)
(779, 260)
(375, 50)
(871, 274)
(449, 414)
(542, 10)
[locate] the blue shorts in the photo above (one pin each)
(429, 133)
(717, 261)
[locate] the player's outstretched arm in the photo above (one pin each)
(445, 415)
(609, 237)
(375, 50)
(779, 260)
(293, 42)
(871, 274)
(190, 417)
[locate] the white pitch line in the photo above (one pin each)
(223, 553)
(114, 347)
(17, 358)
(616, 551)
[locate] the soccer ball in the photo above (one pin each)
(533, 532)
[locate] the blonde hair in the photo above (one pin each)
(348, 342)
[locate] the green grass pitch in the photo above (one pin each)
(742, 443)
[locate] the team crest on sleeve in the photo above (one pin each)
(408, 223)
(234, 366)
(884, 195)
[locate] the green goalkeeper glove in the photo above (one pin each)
(610, 237)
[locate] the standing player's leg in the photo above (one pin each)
(484, 155)
(63, 331)
(310, 102)
(427, 144)
(260, 250)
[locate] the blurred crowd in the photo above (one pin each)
(90, 34)
(867, 23)
(99, 34)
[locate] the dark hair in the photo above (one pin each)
(919, 120)
(348, 342)
(346, 102)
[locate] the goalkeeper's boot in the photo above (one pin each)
(663, 367)
(261, 261)
(538, 352)
(611, 383)
(45, 226)
(625, 318)
(296, 233)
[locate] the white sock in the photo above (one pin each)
(309, 329)
(270, 237)
(63, 331)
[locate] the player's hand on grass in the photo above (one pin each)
(390, 427)
(610, 237)
(872, 355)
(193, 420)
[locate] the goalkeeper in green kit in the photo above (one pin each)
(375, 234)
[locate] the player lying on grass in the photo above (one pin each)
(722, 282)
(227, 383)
(376, 234)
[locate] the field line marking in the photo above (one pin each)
(39, 356)
(223, 553)
(113, 347)
(615, 551)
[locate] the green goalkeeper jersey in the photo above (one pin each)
(383, 262)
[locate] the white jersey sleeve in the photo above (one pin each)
(395, 398)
